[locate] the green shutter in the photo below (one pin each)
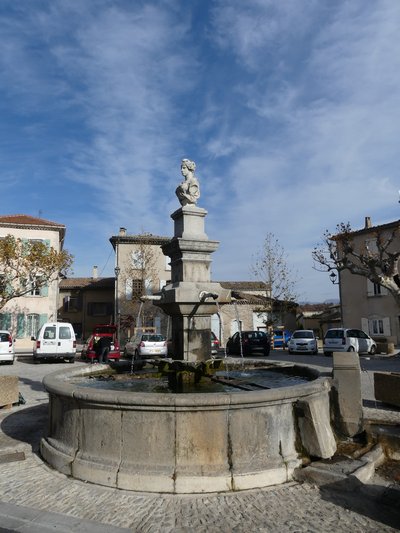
(5, 321)
(42, 320)
(44, 290)
(20, 325)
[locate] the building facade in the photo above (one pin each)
(366, 305)
(24, 315)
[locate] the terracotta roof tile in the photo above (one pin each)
(27, 220)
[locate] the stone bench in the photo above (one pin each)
(9, 391)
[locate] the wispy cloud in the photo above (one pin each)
(290, 109)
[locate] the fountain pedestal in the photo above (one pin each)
(191, 297)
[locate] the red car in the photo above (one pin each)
(102, 330)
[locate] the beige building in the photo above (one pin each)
(366, 305)
(24, 315)
(142, 268)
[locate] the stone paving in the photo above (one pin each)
(63, 504)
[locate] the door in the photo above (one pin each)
(49, 342)
(363, 342)
(65, 339)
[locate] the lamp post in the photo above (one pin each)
(335, 279)
(117, 270)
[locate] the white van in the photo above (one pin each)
(55, 340)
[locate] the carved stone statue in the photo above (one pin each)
(188, 192)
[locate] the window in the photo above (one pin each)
(377, 327)
(32, 287)
(65, 332)
(99, 308)
(137, 287)
(167, 263)
(32, 324)
(374, 289)
(49, 333)
(138, 260)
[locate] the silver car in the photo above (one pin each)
(348, 340)
(146, 345)
(303, 341)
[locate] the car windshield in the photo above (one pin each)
(303, 335)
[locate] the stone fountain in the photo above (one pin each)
(192, 442)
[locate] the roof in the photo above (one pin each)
(243, 285)
(16, 221)
(87, 283)
(382, 227)
(146, 238)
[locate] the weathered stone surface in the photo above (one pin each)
(387, 387)
(314, 425)
(179, 443)
(346, 397)
(9, 391)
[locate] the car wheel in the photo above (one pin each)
(290, 352)
(71, 360)
(315, 352)
(351, 349)
(373, 350)
(327, 354)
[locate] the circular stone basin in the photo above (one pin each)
(233, 439)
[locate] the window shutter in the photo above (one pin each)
(365, 325)
(386, 326)
(42, 319)
(128, 289)
(20, 325)
(44, 290)
(5, 321)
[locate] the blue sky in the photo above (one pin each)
(290, 109)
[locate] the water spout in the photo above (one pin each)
(147, 297)
(204, 295)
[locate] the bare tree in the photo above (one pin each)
(140, 276)
(375, 258)
(28, 265)
(271, 267)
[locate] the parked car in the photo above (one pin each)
(54, 340)
(214, 344)
(304, 341)
(348, 340)
(252, 342)
(102, 330)
(7, 354)
(144, 345)
(281, 338)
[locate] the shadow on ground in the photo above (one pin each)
(28, 425)
(376, 502)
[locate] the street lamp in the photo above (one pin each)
(333, 278)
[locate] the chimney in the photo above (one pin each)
(122, 232)
(94, 275)
(368, 223)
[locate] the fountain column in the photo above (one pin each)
(190, 298)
